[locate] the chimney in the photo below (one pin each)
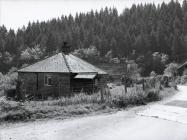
(65, 48)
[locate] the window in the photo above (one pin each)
(47, 80)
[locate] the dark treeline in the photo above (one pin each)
(136, 34)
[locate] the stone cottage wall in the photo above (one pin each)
(60, 84)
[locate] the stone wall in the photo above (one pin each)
(29, 85)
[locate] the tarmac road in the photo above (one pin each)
(166, 120)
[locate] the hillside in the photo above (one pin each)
(152, 35)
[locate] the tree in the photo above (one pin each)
(161, 38)
(133, 70)
(1, 82)
(177, 48)
(7, 59)
(171, 69)
(31, 54)
(113, 46)
(158, 66)
(51, 44)
(185, 24)
(90, 53)
(144, 28)
(108, 55)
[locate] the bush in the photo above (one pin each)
(121, 99)
(115, 60)
(184, 79)
(171, 69)
(12, 111)
(8, 83)
(90, 52)
(153, 95)
(19, 115)
(78, 104)
(178, 80)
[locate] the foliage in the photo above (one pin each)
(8, 81)
(171, 69)
(184, 79)
(153, 74)
(151, 35)
(7, 58)
(108, 55)
(87, 53)
(1, 84)
(78, 104)
(133, 71)
(115, 60)
(153, 95)
(32, 53)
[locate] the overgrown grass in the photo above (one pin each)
(79, 104)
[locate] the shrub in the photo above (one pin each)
(115, 60)
(153, 74)
(184, 79)
(78, 104)
(171, 69)
(8, 83)
(19, 115)
(90, 52)
(132, 97)
(12, 111)
(178, 80)
(153, 95)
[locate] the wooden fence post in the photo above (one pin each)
(124, 82)
(143, 84)
(125, 87)
(101, 82)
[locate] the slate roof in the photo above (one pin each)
(62, 63)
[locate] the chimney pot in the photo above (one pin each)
(65, 48)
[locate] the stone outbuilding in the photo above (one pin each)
(62, 74)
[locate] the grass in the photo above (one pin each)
(12, 111)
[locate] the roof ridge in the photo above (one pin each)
(65, 60)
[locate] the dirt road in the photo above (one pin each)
(160, 121)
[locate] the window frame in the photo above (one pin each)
(46, 80)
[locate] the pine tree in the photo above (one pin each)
(176, 48)
(185, 24)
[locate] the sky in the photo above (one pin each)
(16, 13)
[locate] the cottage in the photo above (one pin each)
(59, 75)
(182, 68)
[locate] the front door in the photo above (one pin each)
(63, 86)
(60, 89)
